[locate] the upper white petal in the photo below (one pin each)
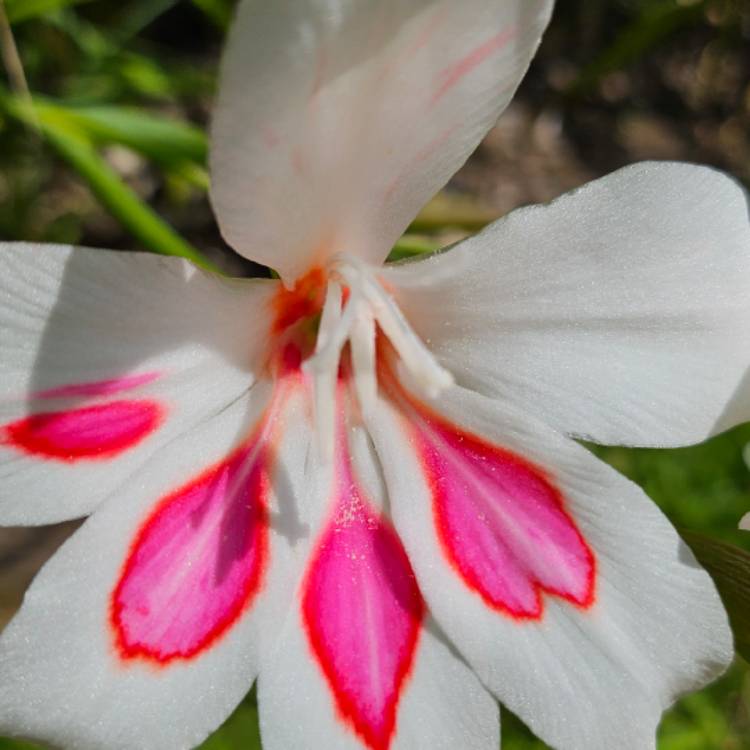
(72, 316)
(620, 312)
(338, 119)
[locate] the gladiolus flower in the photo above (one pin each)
(358, 483)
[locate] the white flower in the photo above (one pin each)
(357, 484)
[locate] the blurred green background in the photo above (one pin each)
(112, 154)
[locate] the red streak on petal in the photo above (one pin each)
(87, 433)
(196, 563)
(501, 522)
(99, 387)
(453, 74)
(362, 612)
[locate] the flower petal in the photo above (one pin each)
(338, 119)
(624, 620)
(442, 706)
(358, 665)
(106, 357)
(148, 626)
(620, 312)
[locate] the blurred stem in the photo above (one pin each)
(121, 201)
(14, 66)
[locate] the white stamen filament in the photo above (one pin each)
(323, 366)
(367, 304)
(362, 344)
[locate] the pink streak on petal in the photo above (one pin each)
(455, 73)
(99, 387)
(270, 136)
(404, 57)
(196, 563)
(502, 523)
(362, 611)
(88, 433)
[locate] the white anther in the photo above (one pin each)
(354, 321)
(417, 358)
(331, 314)
(323, 365)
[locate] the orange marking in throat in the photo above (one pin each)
(305, 300)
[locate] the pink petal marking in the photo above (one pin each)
(454, 73)
(362, 611)
(502, 523)
(99, 387)
(197, 562)
(87, 433)
(394, 62)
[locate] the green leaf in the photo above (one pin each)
(163, 140)
(450, 210)
(119, 199)
(729, 566)
(23, 10)
(240, 731)
(411, 245)
(218, 11)
(123, 203)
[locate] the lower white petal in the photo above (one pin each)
(593, 616)
(147, 627)
(442, 706)
(620, 312)
(359, 663)
(106, 357)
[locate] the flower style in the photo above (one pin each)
(358, 483)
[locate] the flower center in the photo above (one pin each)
(356, 309)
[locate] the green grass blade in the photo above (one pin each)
(411, 245)
(163, 140)
(23, 10)
(119, 199)
(122, 202)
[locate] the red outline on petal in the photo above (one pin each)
(468, 577)
(346, 708)
(253, 585)
(431, 417)
(20, 434)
